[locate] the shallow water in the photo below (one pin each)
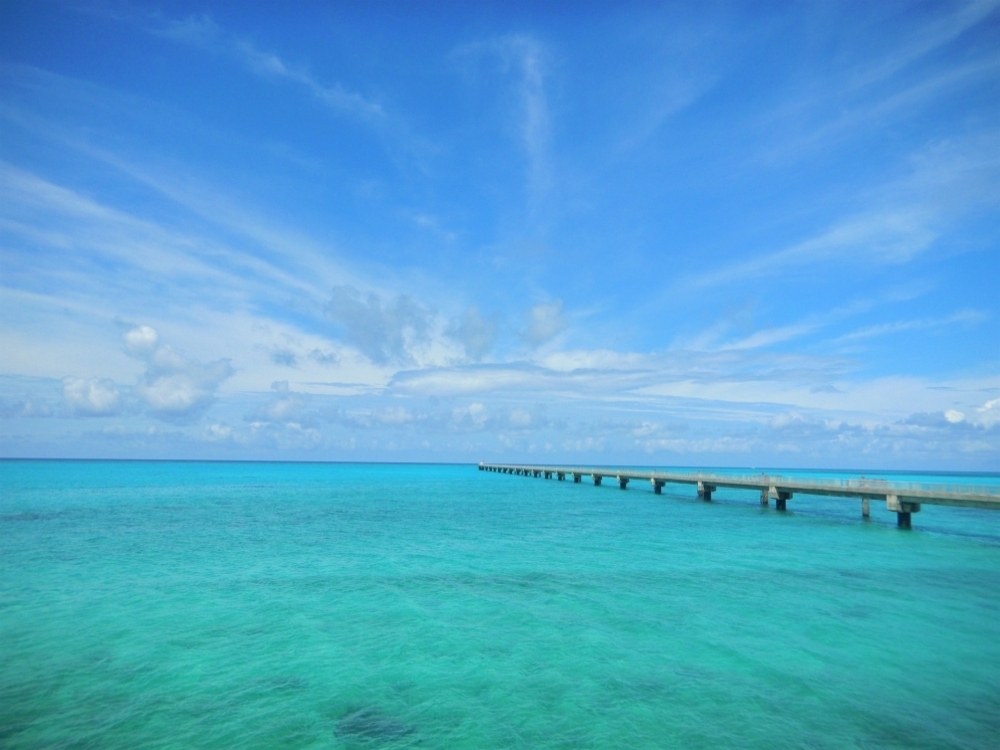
(159, 604)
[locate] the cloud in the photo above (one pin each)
(964, 316)
(219, 433)
(520, 418)
(476, 334)
(771, 336)
(205, 34)
(173, 386)
(988, 415)
(527, 55)
(904, 217)
(825, 388)
(287, 406)
(889, 237)
(26, 407)
(141, 341)
(284, 357)
(383, 332)
(523, 57)
(474, 416)
(545, 321)
(93, 397)
(608, 375)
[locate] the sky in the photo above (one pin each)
(680, 234)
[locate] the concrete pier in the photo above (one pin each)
(902, 498)
(780, 497)
(903, 509)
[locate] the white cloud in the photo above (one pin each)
(988, 415)
(92, 397)
(771, 336)
(788, 419)
(173, 386)
(141, 341)
(219, 433)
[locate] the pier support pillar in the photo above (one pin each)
(705, 491)
(537, 474)
(548, 475)
(597, 480)
(657, 486)
(865, 510)
(622, 482)
(781, 497)
(763, 498)
(577, 478)
(903, 510)
(560, 476)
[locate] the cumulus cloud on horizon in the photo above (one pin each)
(92, 397)
(172, 385)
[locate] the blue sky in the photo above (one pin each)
(747, 234)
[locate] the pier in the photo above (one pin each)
(903, 498)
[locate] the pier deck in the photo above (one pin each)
(904, 498)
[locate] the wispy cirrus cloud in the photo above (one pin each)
(922, 324)
(927, 39)
(203, 32)
(902, 220)
(523, 59)
(890, 237)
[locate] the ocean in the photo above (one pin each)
(289, 605)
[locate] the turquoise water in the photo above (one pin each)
(193, 605)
